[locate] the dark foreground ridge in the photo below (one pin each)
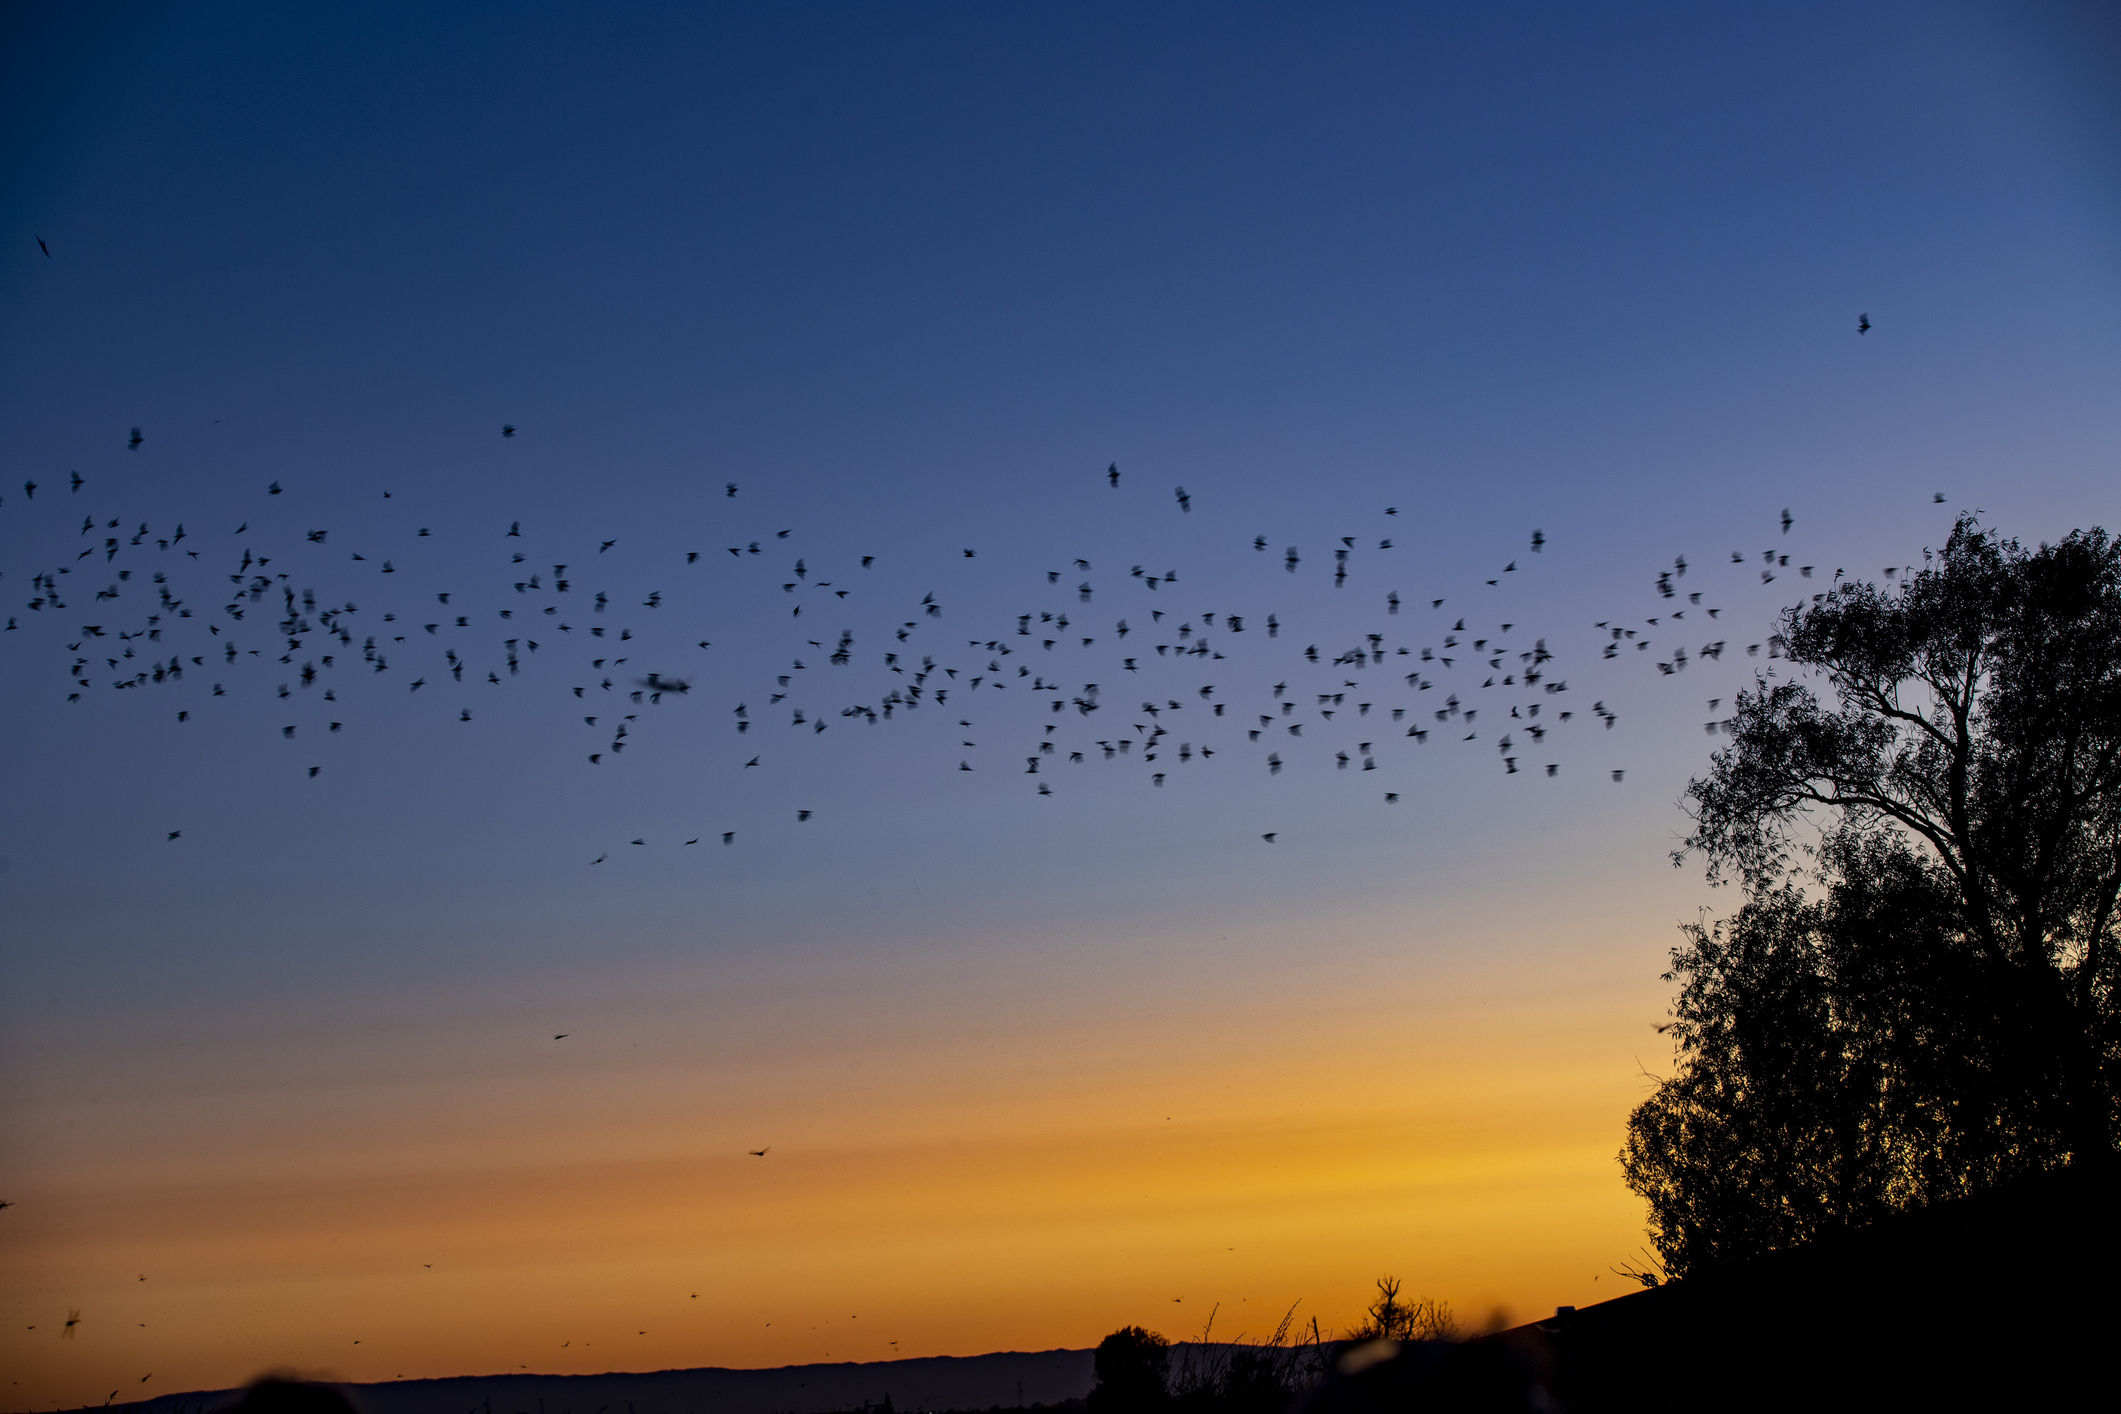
(943, 1382)
(2001, 1301)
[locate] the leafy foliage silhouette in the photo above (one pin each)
(1132, 1365)
(1916, 1000)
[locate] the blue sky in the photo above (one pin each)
(911, 278)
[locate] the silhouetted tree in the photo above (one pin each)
(1917, 999)
(1390, 1318)
(1131, 1365)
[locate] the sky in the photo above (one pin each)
(1548, 297)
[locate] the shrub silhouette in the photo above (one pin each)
(1389, 1318)
(1132, 1367)
(1246, 1376)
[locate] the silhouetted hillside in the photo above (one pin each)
(2002, 1301)
(1007, 1379)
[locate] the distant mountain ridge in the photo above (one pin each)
(937, 1382)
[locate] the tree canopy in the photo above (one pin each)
(1132, 1367)
(1917, 997)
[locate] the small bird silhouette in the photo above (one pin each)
(563, 1036)
(176, 834)
(136, 439)
(1863, 324)
(1269, 838)
(758, 1153)
(45, 248)
(508, 429)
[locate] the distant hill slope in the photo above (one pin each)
(938, 1382)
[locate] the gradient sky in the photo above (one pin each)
(1030, 1067)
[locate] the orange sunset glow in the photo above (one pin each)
(715, 688)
